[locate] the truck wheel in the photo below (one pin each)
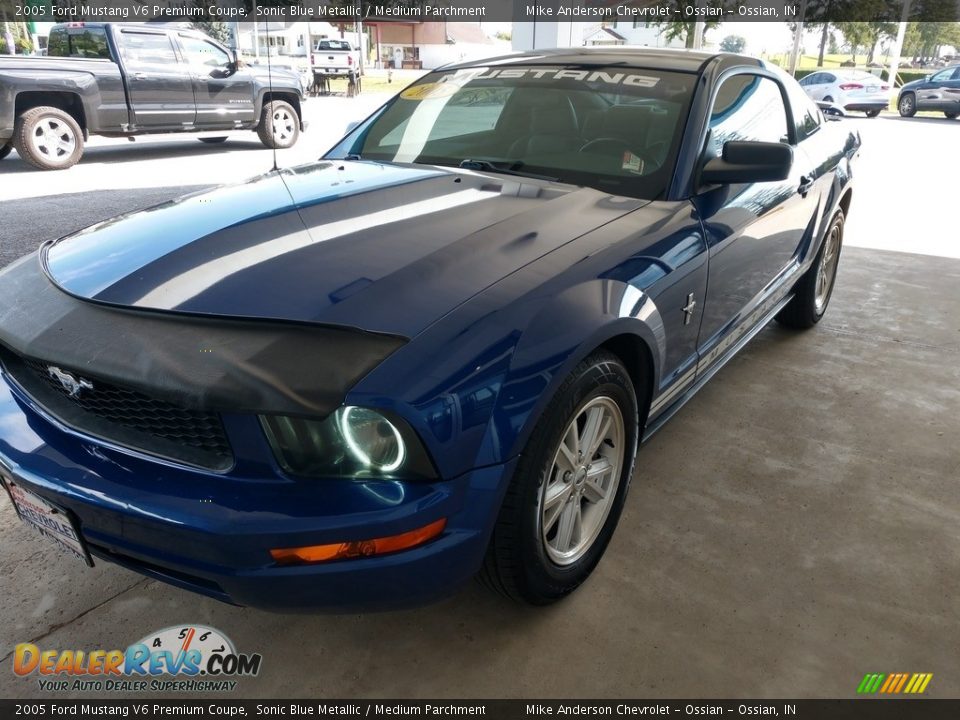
(212, 140)
(5, 150)
(48, 138)
(279, 126)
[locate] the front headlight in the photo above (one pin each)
(352, 442)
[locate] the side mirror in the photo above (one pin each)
(351, 126)
(748, 162)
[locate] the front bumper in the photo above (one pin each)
(211, 533)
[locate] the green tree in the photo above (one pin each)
(733, 44)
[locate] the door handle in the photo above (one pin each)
(139, 75)
(806, 183)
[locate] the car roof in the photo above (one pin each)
(691, 61)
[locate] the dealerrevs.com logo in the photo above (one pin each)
(198, 658)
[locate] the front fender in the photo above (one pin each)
(564, 332)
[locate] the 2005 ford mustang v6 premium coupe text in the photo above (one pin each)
(433, 353)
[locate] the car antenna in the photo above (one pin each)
(273, 145)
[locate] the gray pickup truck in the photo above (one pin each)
(126, 79)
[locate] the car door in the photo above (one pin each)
(755, 232)
(223, 92)
(933, 94)
(813, 85)
(159, 86)
(951, 93)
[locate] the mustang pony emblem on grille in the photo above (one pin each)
(73, 386)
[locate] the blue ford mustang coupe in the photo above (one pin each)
(432, 354)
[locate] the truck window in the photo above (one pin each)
(204, 55)
(334, 45)
(83, 42)
(147, 49)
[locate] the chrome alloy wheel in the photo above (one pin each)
(283, 125)
(582, 483)
(827, 272)
(53, 139)
(906, 105)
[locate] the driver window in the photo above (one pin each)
(204, 56)
(747, 107)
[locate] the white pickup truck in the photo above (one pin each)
(335, 58)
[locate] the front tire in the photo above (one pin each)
(951, 115)
(567, 493)
(213, 140)
(6, 150)
(813, 291)
(872, 113)
(279, 125)
(907, 106)
(48, 138)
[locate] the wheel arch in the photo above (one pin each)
(70, 102)
(626, 322)
(287, 96)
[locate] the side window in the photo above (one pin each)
(806, 114)
(78, 42)
(204, 56)
(827, 78)
(956, 74)
(141, 49)
(747, 107)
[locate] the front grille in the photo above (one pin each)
(126, 416)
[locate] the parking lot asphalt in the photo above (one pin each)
(794, 527)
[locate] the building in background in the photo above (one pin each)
(428, 45)
(628, 32)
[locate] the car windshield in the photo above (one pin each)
(612, 128)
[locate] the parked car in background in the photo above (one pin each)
(128, 79)
(849, 90)
(938, 91)
(334, 58)
(356, 383)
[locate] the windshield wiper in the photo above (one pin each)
(512, 168)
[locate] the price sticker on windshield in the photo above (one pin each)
(631, 162)
(430, 91)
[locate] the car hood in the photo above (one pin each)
(384, 248)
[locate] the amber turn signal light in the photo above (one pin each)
(359, 548)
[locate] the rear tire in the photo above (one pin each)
(48, 138)
(952, 115)
(6, 150)
(813, 291)
(279, 125)
(213, 140)
(872, 113)
(563, 503)
(907, 105)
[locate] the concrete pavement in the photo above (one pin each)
(796, 526)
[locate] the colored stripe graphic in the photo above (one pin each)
(894, 683)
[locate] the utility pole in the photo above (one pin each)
(797, 38)
(360, 38)
(898, 45)
(699, 27)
